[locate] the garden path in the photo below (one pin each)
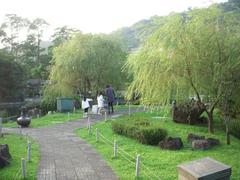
(64, 156)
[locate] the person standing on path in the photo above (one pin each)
(100, 102)
(85, 106)
(110, 97)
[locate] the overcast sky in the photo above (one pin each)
(96, 16)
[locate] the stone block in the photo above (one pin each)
(204, 169)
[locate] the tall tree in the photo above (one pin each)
(63, 34)
(191, 55)
(11, 77)
(10, 32)
(86, 63)
(37, 26)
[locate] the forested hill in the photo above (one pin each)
(136, 34)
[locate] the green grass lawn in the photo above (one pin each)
(49, 119)
(162, 163)
(18, 149)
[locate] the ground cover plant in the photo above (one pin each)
(161, 163)
(18, 149)
(49, 119)
(142, 130)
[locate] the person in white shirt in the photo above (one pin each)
(100, 102)
(85, 106)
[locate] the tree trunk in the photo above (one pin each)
(226, 119)
(210, 121)
(38, 50)
(228, 135)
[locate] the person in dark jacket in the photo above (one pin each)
(110, 97)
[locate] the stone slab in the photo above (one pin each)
(204, 169)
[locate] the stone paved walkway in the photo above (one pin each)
(64, 156)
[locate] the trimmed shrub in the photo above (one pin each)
(141, 130)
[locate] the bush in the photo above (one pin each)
(143, 131)
(3, 114)
(48, 106)
(235, 128)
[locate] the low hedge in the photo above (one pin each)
(143, 131)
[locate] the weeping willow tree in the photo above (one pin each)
(193, 54)
(85, 63)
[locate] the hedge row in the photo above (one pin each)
(143, 131)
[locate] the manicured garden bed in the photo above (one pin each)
(18, 149)
(162, 163)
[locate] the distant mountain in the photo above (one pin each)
(136, 34)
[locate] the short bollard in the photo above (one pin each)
(115, 149)
(23, 168)
(138, 165)
(68, 116)
(0, 127)
(89, 129)
(29, 151)
(96, 134)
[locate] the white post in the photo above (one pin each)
(138, 165)
(89, 129)
(96, 134)
(38, 116)
(115, 149)
(23, 168)
(105, 115)
(29, 151)
(68, 116)
(129, 110)
(0, 127)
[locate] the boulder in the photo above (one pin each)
(201, 144)
(5, 156)
(171, 143)
(188, 112)
(34, 113)
(213, 142)
(191, 137)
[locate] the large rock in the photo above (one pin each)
(213, 142)
(188, 113)
(200, 144)
(171, 143)
(191, 137)
(34, 113)
(5, 156)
